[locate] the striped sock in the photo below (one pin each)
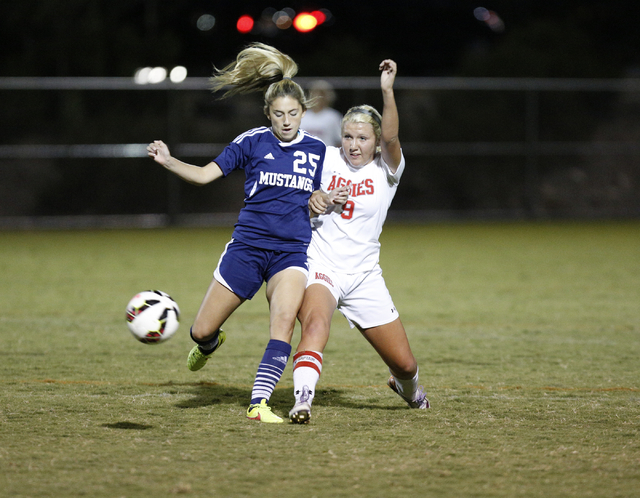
(270, 370)
(307, 367)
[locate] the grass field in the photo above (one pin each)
(527, 335)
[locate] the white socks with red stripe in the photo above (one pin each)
(307, 367)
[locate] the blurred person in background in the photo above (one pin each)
(344, 270)
(283, 166)
(321, 119)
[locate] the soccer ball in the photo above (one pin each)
(152, 316)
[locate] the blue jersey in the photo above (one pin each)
(280, 177)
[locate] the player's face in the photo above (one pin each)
(359, 143)
(285, 114)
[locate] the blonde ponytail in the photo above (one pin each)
(260, 67)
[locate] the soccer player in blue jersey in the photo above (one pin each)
(283, 166)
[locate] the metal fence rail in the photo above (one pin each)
(124, 151)
(531, 146)
(531, 149)
(339, 83)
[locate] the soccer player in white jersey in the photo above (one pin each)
(283, 166)
(321, 119)
(343, 255)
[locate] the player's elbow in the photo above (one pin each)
(391, 141)
(207, 174)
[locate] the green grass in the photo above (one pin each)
(527, 335)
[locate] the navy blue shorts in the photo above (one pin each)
(242, 268)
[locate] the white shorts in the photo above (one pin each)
(363, 298)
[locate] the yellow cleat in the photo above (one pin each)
(197, 358)
(262, 412)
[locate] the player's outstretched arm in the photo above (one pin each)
(389, 140)
(196, 175)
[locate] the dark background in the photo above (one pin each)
(433, 38)
(543, 38)
(552, 38)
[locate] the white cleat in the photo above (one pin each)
(300, 413)
(420, 401)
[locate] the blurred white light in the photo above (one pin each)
(178, 74)
(266, 24)
(157, 75)
(481, 14)
(205, 22)
(141, 76)
(284, 18)
(490, 18)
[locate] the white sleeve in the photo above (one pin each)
(393, 178)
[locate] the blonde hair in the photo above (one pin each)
(364, 114)
(260, 67)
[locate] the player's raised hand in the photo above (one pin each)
(159, 152)
(389, 70)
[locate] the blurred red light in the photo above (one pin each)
(245, 24)
(320, 16)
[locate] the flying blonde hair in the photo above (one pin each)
(260, 67)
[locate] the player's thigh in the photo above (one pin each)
(285, 291)
(315, 316)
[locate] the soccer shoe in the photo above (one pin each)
(420, 401)
(197, 359)
(262, 412)
(300, 413)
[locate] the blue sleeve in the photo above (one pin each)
(317, 180)
(234, 156)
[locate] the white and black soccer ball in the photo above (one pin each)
(152, 316)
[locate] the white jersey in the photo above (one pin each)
(325, 124)
(346, 238)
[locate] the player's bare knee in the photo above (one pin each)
(406, 369)
(315, 327)
(201, 333)
(283, 320)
